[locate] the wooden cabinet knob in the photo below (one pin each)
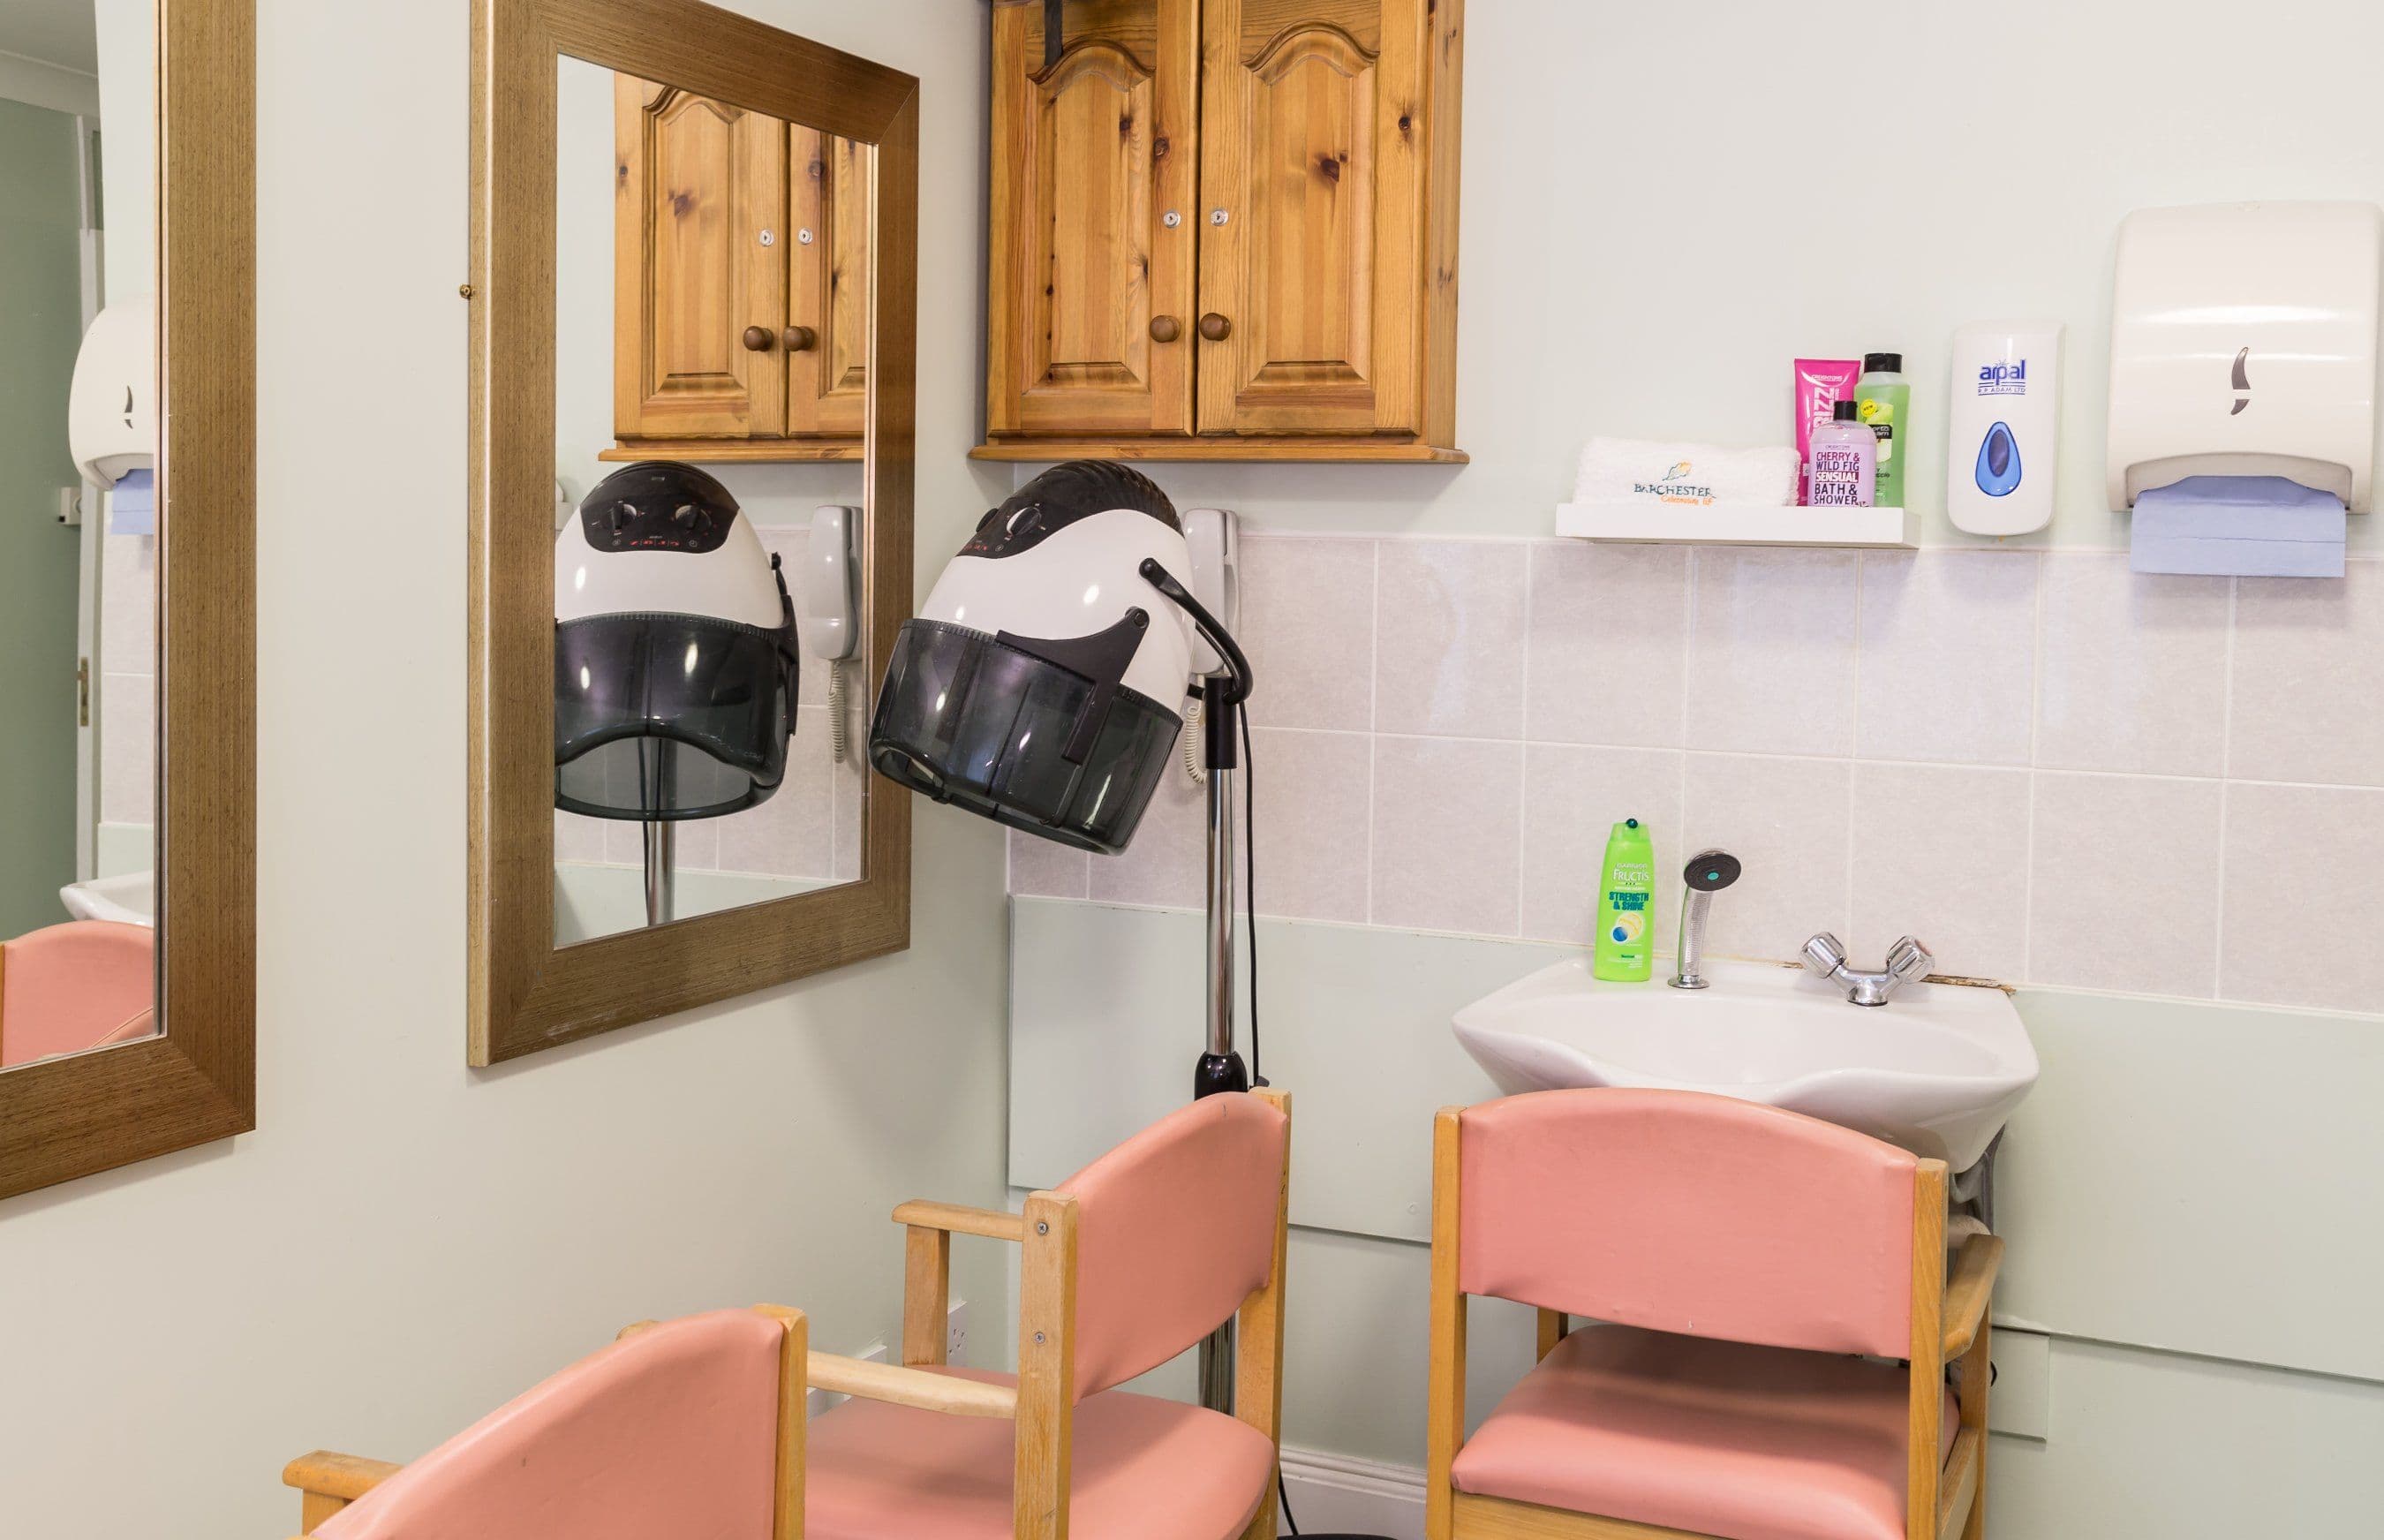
(801, 338)
(1165, 329)
(758, 339)
(1215, 326)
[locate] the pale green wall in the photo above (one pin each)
(41, 324)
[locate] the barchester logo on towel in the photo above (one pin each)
(1675, 486)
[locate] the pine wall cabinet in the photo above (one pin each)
(1224, 230)
(740, 283)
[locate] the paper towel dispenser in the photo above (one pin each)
(112, 403)
(2243, 343)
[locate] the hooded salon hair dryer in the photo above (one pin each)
(1039, 685)
(675, 660)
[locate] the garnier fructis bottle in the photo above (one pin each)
(1883, 401)
(1625, 895)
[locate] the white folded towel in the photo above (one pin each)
(1630, 469)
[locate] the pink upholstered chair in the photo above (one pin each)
(82, 985)
(1126, 1264)
(696, 1428)
(1754, 1274)
(691, 1428)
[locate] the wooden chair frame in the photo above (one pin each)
(523, 993)
(1949, 1325)
(1042, 1404)
(70, 1116)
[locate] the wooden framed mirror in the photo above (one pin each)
(127, 587)
(692, 284)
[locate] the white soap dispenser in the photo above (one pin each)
(2002, 427)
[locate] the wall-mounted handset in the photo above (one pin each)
(1213, 536)
(827, 589)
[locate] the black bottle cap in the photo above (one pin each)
(1845, 411)
(1883, 363)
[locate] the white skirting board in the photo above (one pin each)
(1340, 1494)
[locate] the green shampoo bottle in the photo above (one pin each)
(1626, 896)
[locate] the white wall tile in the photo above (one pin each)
(854, 786)
(1948, 656)
(1447, 824)
(1941, 852)
(1608, 638)
(2123, 890)
(2304, 897)
(1167, 860)
(1314, 791)
(128, 748)
(1041, 869)
(1787, 821)
(1308, 625)
(1771, 651)
(128, 598)
(2135, 668)
(1572, 798)
(1450, 649)
(2309, 672)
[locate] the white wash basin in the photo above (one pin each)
(128, 900)
(1937, 1069)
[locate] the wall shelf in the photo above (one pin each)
(1645, 521)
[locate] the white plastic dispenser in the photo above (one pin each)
(2003, 425)
(2244, 383)
(112, 412)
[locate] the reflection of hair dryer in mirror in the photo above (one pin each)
(827, 594)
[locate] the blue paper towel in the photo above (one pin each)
(2238, 526)
(132, 506)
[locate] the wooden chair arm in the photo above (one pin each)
(911, 1387)
(1967, 1290)
(960, 1220)
(347, 1477)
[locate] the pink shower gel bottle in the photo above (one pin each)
(1845, 459)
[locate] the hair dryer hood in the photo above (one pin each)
(675, 661)
(1037, 686)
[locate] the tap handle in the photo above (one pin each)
(1909, 960)
(1825, 954)
(1710, 871)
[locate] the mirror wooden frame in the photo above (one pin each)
(68, 1117)
(525, 993)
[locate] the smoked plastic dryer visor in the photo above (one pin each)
(662, 717)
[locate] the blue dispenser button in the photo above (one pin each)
(1999, 467)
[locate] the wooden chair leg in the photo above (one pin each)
(1444, 1416)
(1978, 1378)
(1047, 1368)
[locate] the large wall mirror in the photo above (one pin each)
(692, 293)
(127, 559)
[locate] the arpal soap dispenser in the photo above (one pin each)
(2001, 425)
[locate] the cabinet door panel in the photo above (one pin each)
(827, 285)
(699, 184)
(1313, 145)
(1090, 152)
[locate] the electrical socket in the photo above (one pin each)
(819, 1401)
(956, 1333)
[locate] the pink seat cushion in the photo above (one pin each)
(1717, 1438)
(672, 1432)
(1144, 1469)
(77, 985)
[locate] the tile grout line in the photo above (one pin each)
(1854, 701)
(1374, 708)
(2226, 789)
(2035, 731)
(1688, 691)
(1524, 752)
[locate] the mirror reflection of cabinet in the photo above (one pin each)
(740, 278)
(1225, 230)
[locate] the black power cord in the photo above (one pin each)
(1250, 918)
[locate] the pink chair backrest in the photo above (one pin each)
(1174, 1229)
(1685, 1212)
(67, 988)
(670, 1431)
